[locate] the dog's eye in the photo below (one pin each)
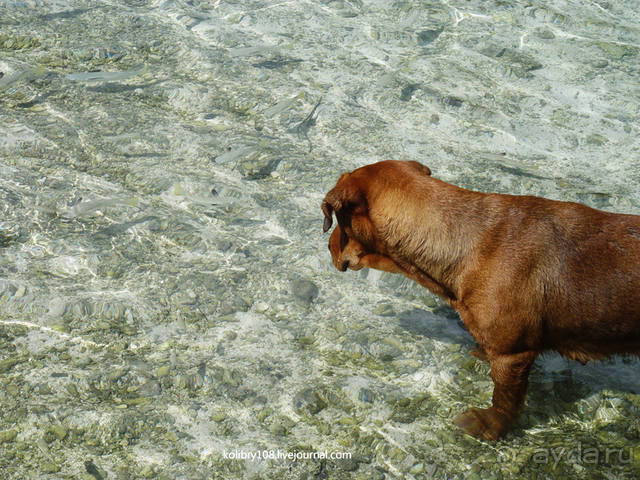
(329, 246)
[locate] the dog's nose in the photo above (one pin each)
(344, 266)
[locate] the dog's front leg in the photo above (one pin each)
(510, 374)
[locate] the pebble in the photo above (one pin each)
(150, 389)
(218, 416)
(8, 435)
(49, 467)
(545, 34)
(7, 364)
(72, 389)
(367, 396)
(93, 470)
(59, 431)
(384, 310)
(259, 166)
(426, 37)
(596, 139)
(308, 401)
(261, 307)
(304, 290)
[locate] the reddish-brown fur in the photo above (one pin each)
(352, 255)
(526, 274)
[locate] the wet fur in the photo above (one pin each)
(526, 274)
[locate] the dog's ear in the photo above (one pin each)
(327, 209)
(344, 199)
(337, 242)
(422, 168)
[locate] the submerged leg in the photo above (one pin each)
(479, 353)
(510, 375)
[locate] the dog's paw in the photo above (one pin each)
(482, 423)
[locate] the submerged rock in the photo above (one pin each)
(308, 401)
(304, 290)
(426, 37)
(7, 364)
(367, 396)
(258, 167)
(7, 436)
(54, 432)
(93, 470)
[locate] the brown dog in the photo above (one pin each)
(526, 274)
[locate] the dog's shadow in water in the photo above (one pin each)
(556, 384)
(442, 324)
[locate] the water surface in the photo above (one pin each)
(166, 294)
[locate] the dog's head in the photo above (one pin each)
(355, 235)
(345, 252)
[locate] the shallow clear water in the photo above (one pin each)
(166, 293)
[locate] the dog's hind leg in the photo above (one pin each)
(510, 374)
